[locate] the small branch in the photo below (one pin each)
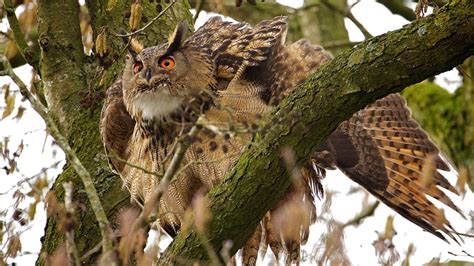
(365, 213)
(148, 24)
(146, 171)
(309, 6)
(90, 252)
(397, 7)
(70, 154)
(347, 13)
(25, 51)
(199, 6)
(70, 244)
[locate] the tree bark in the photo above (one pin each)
(375, 68)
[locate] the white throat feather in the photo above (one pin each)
(155, 105)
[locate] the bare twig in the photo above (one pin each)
(146, 171)
(210, 250)
(182, 146)
(148, 24)
(366, 212)
(347, 13)
(70, 154)
(25, 51)
(70, 244)
(464, 72)
(399, 8)
(199, 6)
(90, 252)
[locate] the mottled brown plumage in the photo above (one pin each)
(231, 74)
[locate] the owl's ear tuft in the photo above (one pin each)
(176, 39)
(134, 47)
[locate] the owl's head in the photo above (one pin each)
(163, 80)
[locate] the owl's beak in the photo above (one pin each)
(148, 74)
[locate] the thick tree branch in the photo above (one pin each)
(375, 68)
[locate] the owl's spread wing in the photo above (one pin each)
(382, 148)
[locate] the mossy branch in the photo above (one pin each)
(375, 68)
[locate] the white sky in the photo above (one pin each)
(378, 20)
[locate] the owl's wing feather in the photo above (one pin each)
(394, 159)
(235, 44)
(116, 127)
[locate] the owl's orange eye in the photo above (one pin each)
(137, 67)
(166, 62)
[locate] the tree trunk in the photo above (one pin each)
(375, 68)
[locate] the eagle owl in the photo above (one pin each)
(230, 74)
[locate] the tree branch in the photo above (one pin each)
(399, 8)
(366, 212)
(375, 68)
(26, 52)
(347, 13)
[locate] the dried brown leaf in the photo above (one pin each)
(101, 43)
(14, 246)
(32, 209)
(126, 219)
(135, 15)
(20, 112)
(10, 105)
(389, 229)
(463, 179)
